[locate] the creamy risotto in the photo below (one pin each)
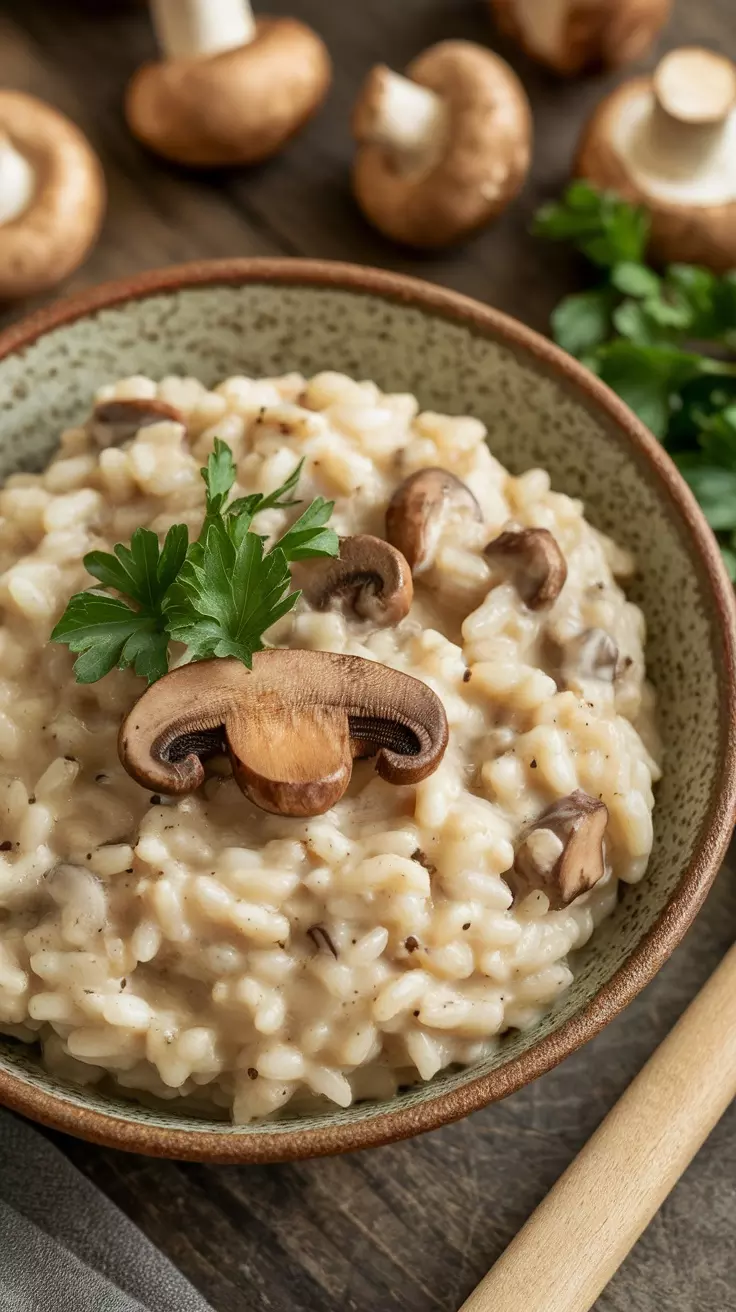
(207, 951)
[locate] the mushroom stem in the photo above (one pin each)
(17, 181)
(187, 29)
(694, 96)
(403, 117)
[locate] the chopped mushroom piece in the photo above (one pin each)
(291, 726)
(592, 654)
(531, 558)
(420, 510)
(561, 852)
(668, 141)
(443, 150)
(115, 422)
(572, 35)
(231, 89)
(370, 576)
(52, 196)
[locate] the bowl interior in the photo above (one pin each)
(534, 416)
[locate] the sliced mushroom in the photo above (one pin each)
(561, 852)
(572, 35)
(118, 421)
(52, 196)
(592, 654)
(291, 727)
(230, 89)
(531, 558)
(370, 577)
(443, 150)
(420, 510)
(667, 141)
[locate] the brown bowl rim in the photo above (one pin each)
(114, 1131)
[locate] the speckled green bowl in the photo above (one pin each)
(540, 407)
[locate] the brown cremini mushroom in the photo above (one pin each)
(668, 142)
(592, 654)
(291, 727)
(532, 560)
(444, 149)
(561, 852)
(370, 577)
(230, 89)
(421, 509)
(112, 423)
(572, 35)
(52, 196)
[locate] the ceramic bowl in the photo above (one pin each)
(541, 407)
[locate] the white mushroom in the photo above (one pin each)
(52, 196)
(571, 35)
(230, 89)
(668, 142)
(445, 148)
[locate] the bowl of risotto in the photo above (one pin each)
(363, 859)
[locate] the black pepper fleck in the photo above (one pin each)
(466, 925)
(6, 846)
(467, 676)
(532, 765)
(411, 943)
(31, 799)
(155, 800)
(252, 1073)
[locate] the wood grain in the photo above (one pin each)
(414, 1227)
(582, 1231)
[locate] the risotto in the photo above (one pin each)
(201, 949)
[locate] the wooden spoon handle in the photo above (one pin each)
(580, 1234)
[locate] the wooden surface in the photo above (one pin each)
(411, 1228)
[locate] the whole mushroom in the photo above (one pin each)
(668, 141)
(230, 89)
(291, 726)
(572, 35)
(52, 196)
(443, 149)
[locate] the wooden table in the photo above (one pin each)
(413, 1227)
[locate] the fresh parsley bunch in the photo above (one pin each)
(666, 342)
(217, 595)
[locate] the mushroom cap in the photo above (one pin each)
(237, 107)
(532, 559)
(291, 727)
(418, 510)
(52, 237)
(561, 852)
(483, 166)
(687, 233)
(588, 34)
(370, 576)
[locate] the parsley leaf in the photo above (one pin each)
(225, 600)
(665, 341)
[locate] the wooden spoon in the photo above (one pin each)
(580, 1234)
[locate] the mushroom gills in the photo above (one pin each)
(370, 577)
(291, 727)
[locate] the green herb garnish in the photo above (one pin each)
(217, 595)
(665, 342)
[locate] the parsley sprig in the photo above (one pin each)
(217, 595)
(665, 342)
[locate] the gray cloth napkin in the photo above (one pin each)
(64, 1247)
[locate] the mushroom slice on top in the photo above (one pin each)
(592, 654)
(561, 852)
(369, 576)
(291, 726)
(531, 558)
(231, 88)
(52, 196)
(443, 150)
(420, 509)
(117, 421)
